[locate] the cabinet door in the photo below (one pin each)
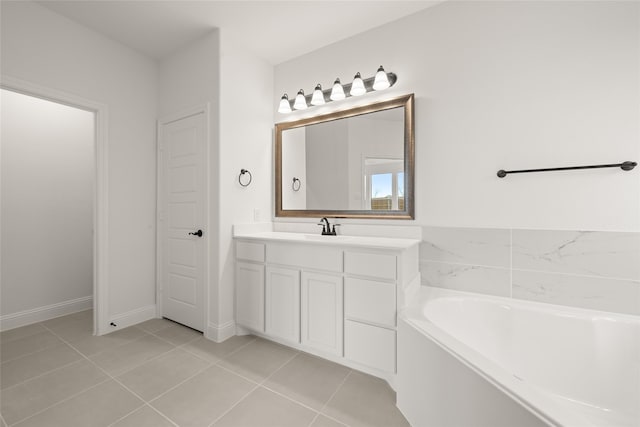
(322, 318)
(283, 303)
(250, 295)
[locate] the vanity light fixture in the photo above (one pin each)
(357, 87)
(318, 97)
(338, 91)
(381, 81)
(284, 107)
(300, 102)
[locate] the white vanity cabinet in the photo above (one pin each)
(321, 314)
(370, 309)
(250, 285)
(282, 303)
(334, 297)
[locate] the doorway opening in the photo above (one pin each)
(53, 202)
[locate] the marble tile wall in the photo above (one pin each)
(588, 269)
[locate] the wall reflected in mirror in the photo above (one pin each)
(353, 163)
(356, 163)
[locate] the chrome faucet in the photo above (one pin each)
(327, 230)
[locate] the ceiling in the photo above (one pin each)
(274, 30)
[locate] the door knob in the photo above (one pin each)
(197, 233)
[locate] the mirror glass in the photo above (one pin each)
(353, 163)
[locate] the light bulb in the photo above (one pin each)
(318, 96)
(284, 107)
(381, 81)
(357, 87)
(337, 92)
(300, 102)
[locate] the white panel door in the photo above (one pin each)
(182, 212)
(282, 303)
(321, 315)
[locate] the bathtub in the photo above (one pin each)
(470, 360)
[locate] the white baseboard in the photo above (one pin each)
(219, 333)
(39, 314)
(131, 318)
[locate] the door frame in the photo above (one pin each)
(205, 109)
(100, 187)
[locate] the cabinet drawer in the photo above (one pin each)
(370, 345)
(370, 301)
(303, 256)
(381, 266)
(250, 251)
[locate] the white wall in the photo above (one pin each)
(506, 85)
(294, 165)
(47, 203)
(49, 50)
(238, 87)
(191, 78)
(327, 165)
(246, 142)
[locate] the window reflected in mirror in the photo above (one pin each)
(355, 163)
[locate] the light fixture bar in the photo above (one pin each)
(368, 84)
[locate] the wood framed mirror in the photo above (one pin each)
(355, 163)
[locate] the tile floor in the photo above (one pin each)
(159, 373)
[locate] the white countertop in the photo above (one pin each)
(340, 240)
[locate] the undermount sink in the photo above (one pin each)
(325, 237)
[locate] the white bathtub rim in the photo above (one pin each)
(430, 292)
(525, 394)
(496, 376)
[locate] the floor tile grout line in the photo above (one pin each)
(218, 364)
(31, 352)
(116, 380)
(41, 375)
(289, 398)
(108, 374)
(182, 346)
(344, 380)
(7, 341)
(71, 343)
(146, 404)
(219, 359)
(112, 377)
(162, 415)
(62, 401)
(297, 352)
(258, 385)
(88, 357)
(209, 365)
(166, 340)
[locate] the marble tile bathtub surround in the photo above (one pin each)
(465, 277)
(589, 253)
(598, 293)
(588, 269)
(475, 246)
